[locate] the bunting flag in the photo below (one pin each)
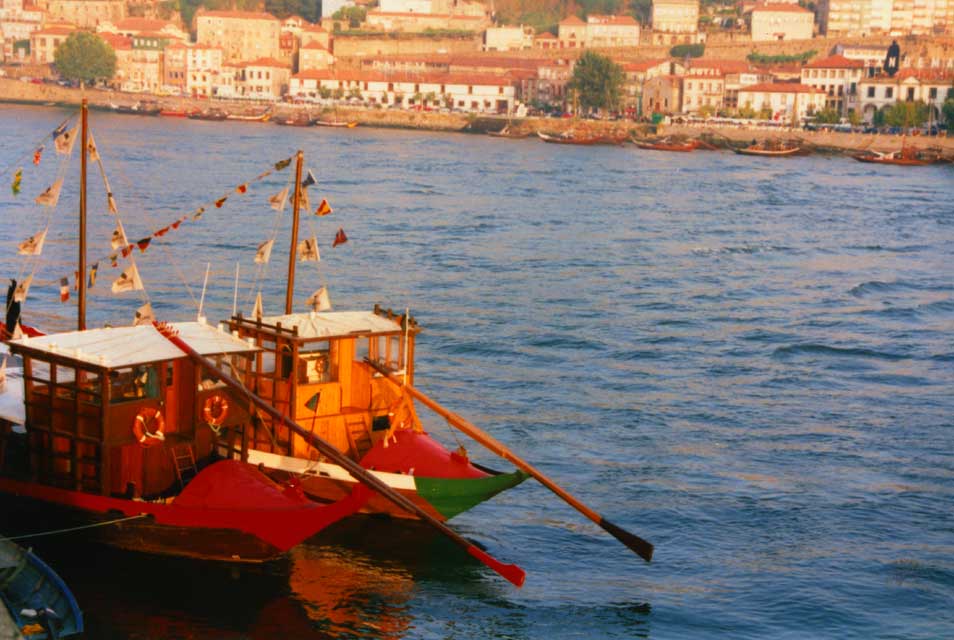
(60, 129)
(32, 246)
(20, 293)
(17, 179)
(309, 180)
(111, 203)
(128, 281)
(51, 196)
(38, 154)
(144, 315)
(304, 204)
(162, 232)
(127, 250)
(282, 164)
(92, 275)
(198, 213)
(340, 238)
(313, 401)
(319, 301)
(64, 289)
(242, 188)
(143, 244)
(257, 312)
(323, 209)
(92, 150)
(278, 200)
(264, 252)
(308, 250)
(64, 142)
(119, 239)
(263, 175)
(220, 202)
(114, 260)
(175, 225)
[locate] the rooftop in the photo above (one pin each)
(331, 324)
(835, 62)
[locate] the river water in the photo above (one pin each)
(748, 362)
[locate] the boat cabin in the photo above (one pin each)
(312, 368)
(114, 411)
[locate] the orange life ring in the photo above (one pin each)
(144, 418)
(216, 410)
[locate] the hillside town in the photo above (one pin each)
(772, 60)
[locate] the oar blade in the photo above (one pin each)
(642, 548)
(511, 572)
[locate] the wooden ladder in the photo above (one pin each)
(358, 437)
(184, 462)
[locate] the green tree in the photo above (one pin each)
(355, 92)
(828, 115)
(597, 81)
(85, 57)
(642, 10)
(688, 50)
(948, 110)
(906, 114)
(354, 15)
(878, 118)
(430, 98)
(854, 117)
(747, 112)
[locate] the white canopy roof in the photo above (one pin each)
(330, 324)
(117, 347)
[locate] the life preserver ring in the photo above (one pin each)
(145, 418)
(215, 410)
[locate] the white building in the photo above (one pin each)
(838, 77)
(784, 21)
(787, 101)
(508, 38)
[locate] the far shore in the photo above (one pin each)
(18, 92)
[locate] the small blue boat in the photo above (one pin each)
(39, 602)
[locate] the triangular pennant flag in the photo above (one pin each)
(282, 164)
(114, 260)
(340, 238)
(51, 196)
(119, 238)
(127, 250)
(308, 250)
(263, 175)
(175, 225)
(323, 209)
(264, 252)
(20, 293)
(242, 188)
(144, 315)
(257, 312)
(220, 202)
(92, 275)
(111, 203)
(198, 213)
(128, 281)
(161, 232)
(17, 179)
(92, 150)
(143, 244)
(64, 289)
(309, 180)
(64, 142)
(32, 246)
(313, 401)
(38, 154)
(278, 200)
(319, 301)
(304, 204)
(60, 129)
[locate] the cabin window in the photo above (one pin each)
(133, 383)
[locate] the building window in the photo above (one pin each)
(871, 92)
(470, 90)
(889, 92)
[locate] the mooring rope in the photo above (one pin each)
(88, 526)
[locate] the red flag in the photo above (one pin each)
(220, 202)
(161, 232)
(175, 225)
(113, 259)
(127, 250)
(242, 188)
(37, 154)
(64, 289)
(143, 244)
(340, 238)
(323, 209)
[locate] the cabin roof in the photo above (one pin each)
(116, 347)
(333, 324)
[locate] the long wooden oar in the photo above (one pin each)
(511, 572)
(642, 548)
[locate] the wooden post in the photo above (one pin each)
(81, 275)
(292, 252)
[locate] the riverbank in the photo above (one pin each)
(14, 91)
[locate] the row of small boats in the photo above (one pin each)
(147, 108)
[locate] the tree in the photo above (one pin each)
(85, 57)
(642, 10)
(597, 81)
(906, 114)
(688, 50)
(854, 117)
(354, 15)
(948, 110)
(828, 115)
(355, 92)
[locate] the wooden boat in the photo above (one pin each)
(906, 156)
(175, 113)
(335, 123)
(209, 114)
(39, 602)
(568, 138)
(250, 117)
(508, 132)
(667, 144)
(770, 149)
(141, 108)
(298, 120)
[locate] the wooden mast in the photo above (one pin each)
(81, 271)
(292, 252)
